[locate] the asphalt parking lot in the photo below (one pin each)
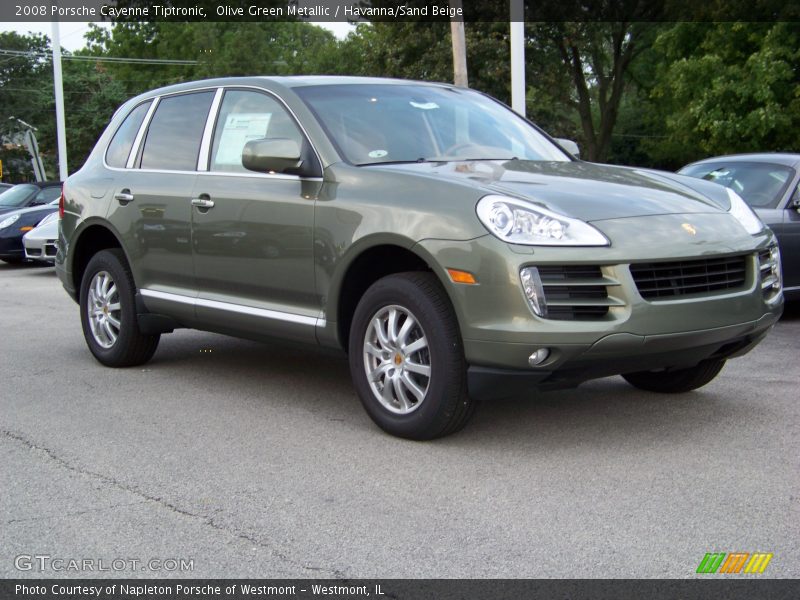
(258, 461)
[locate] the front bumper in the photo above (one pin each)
(40, 249)
(500, 331)
(11, 246)
(620, 353)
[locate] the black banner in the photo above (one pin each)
(400, 589)
(397, 10)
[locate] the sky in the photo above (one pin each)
(72, 33)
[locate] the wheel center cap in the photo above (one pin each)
(398, 359)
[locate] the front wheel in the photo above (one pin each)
(407, 359)
(676, 381)
(108, 312)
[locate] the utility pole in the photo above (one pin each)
(517, 25)
(58, 84)
(459, 47)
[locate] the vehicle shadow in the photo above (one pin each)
(601, 413)
(43, 270)
(4, 266)
(791, 311)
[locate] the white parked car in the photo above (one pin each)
(40, 242)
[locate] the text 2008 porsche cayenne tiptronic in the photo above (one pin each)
(450, 247)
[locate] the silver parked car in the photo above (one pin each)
(40, 242)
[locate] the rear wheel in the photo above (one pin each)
(676, 381)
(407, 359)
(108, 312)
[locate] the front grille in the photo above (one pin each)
(576, 292)
(688, 277)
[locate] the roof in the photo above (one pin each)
(307, 80)
(292, 81)
(780, 158)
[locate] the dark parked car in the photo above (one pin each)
(14, 225)
(770, 184)
(24, 195)
(451, 248)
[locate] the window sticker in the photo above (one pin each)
(424, 105)
(377, 153)
(237, 131)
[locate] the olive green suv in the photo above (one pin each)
(451, 248)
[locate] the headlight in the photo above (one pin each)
(9, 221)
(519, 222)
(744, 214)
(49, 218)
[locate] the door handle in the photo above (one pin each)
(124, 197)
(203, 203)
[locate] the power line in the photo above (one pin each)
(147, 61)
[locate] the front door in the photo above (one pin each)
(252, 233)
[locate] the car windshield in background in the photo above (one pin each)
(17, 195)
(374, 124)
(761, 185)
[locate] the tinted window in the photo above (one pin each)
(173, 137)
(122, 142)
(48, 194)
(246, 116)
(759, 184)
(18, 195)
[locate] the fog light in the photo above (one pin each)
(534, 292)
(538, 357)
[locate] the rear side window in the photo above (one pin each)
(122, 142)
(174, 135)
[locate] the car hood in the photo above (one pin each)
(32, 214)
(586, 191)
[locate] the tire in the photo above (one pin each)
(400, 360)
(677, 381)
(107, 291)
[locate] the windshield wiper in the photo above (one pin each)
(394, 162)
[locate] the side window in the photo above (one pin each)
(174, 134)
(245, 116)
(121, 143)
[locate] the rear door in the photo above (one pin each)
(151, 206)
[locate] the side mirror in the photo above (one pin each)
(795, 203)
(271, 155)
(570, 147)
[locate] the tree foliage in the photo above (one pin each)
(631, 91)
(727, 88)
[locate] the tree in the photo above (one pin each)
(726, 88)
(21, 75)
(589, 72)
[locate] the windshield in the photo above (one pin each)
(761, 185)
(17, 195)
(385, 123)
